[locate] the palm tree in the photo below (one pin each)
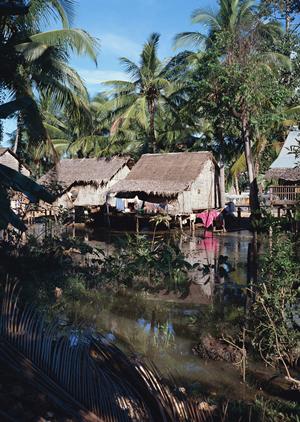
(36, 63)
(239, 37)
(149, 92)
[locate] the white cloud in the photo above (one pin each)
(120, 45)
(93, 77)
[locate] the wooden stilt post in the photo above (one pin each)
(180, 222)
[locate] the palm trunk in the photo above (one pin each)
(18, 134)
(152, 110)
(254, 200)
(16, 143)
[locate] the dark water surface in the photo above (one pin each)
(165, 329)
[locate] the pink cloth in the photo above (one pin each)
(208, 217)
(209, 244)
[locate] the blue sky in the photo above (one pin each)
(122, 26)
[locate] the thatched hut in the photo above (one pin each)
(186, 181)
(10, 159)
(285, 172)
(85, 182)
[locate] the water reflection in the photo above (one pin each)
(166, 333)
(166, 327)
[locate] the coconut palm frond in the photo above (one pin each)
(31, 51)
(65, 10)
(130, 67)
(76, 39)
(54, 131)
(206, 17)
(149, 60)
(193, 39)
(15, 180)
(88, 378)
(239, 165)
(276, 60)
(44, 11)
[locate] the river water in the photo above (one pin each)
(166, 328)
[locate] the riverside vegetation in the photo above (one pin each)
(265, 326)
(235, 93)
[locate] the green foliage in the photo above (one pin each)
(150, 96)
(141, 264)
(266, 221)
(41, 265)
(261, 410)
(276, 334)
(36, 65)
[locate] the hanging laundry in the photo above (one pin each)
(150, 207)
(120, 206)
(208, 217)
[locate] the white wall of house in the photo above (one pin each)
(202, 194)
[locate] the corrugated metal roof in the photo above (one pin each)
(285, 159)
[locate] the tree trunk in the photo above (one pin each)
(18, 134)
(287, 16)
(254, 200)
(220, 138)
(236, 185)
(222, 184)
(15, 147)
(152, 110)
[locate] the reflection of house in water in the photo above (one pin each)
(181, 182)
(208, 250)
(85, 182)
(285, 173)
(203, 251)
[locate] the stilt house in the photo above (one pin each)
(184, 181)
(285, 173)
(85, 182)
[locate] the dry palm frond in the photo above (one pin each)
(88, 378)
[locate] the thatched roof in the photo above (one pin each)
(84, 171)
(285, 167)
(163, 175)
(4, 150)
(292, 175)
